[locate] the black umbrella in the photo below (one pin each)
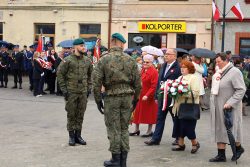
(180, 50)
(201, 52)
(228, 120)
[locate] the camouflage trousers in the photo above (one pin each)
(75, 107)
(117, 113)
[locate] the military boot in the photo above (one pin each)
(78, 138)
(72, 141)
(124, 156)
(1, 86)
(6, 83)
(20, 86)
(15, 86)
(114, 162)
(221, 157)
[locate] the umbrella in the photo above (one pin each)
(152, 50)
(228, 121)
(130, 50)
(66, 44)
(201, 52)
(180, 50)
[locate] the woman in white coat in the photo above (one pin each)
(228, 89)
(199, 70)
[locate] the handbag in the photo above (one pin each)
(189, 111)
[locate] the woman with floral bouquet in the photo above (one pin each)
(186, 128)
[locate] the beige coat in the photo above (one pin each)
(194, 86)
(199, 70)
(231, 91)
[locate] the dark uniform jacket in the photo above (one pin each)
(17, 61)
(37, 70)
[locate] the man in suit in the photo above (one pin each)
(169, 70)
(16, 60)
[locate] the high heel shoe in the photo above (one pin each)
(179, 148)
(137, 133)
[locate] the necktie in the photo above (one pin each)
(166, 71)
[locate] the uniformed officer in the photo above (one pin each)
(118, 73)
(74, 77)
(16, 60)
(28, 64)
(5, 62)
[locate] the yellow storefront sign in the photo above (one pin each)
(162, 26)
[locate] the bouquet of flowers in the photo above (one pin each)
(173, 88)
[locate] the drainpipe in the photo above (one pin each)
(109, 22)
(212, 33)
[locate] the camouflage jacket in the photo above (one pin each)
(74, 75)
(118, 73)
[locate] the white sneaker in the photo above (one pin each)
(39, 95)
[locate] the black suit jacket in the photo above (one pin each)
(173, 73)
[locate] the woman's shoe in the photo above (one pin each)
(179, 148)
(194, 150)
(147, 135)
(135, 133)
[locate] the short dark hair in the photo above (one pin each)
(228, 52)
(222, 55)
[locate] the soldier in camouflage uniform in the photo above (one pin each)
(118, 73)
(74, 78)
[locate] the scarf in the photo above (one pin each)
(217, 78)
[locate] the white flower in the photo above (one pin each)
(175, 84)
(184, 83)
(184, 90)
(174, 93)
(172, 90)
(178, 80)
(180, 87)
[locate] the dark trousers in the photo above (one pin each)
(41, 84)
(17, 76)
(36, 84)
(52, 82)
(160, 124)
(30, 72)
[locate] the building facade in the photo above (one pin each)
(166, 23)
(237, 33)
(22, 21)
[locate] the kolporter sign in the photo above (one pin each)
(162, 26)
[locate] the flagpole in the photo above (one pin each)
(223, 27)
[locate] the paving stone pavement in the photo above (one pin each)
(33, 134)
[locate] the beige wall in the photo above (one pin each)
(19, 28)
(196, 14)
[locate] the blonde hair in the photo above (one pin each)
(36, 55)
(138, 59)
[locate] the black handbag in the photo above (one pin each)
(189, 111)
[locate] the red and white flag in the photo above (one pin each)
(237, 11)
(40, 44)
(216, 12)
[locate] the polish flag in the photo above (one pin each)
(237, 11)
(216, 13)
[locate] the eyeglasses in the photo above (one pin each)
(146, 62)
(169, 54)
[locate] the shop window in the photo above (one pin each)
(186, 41)
(143, 39)
(1, 31)
(90, 30)
(245, 46)
(48, 32)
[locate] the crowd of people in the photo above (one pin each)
(203, 76)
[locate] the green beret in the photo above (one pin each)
(78, 41)
(119, 37)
